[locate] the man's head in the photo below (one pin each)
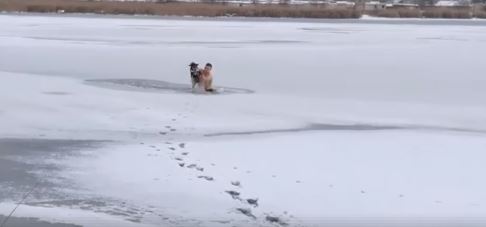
(208, 66)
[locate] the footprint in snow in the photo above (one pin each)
(236, 183)
(163, 133)
(194, 166)
(253, 202)
(182, 145)
(246, 212)
(226, 222)
(276, 220)
(208, 178)
(234, 194)
(172, 148)
(178, 159)
(184, 153)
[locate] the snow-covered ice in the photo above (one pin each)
(318, 123)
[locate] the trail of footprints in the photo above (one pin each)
(234, 194)
(176, 150)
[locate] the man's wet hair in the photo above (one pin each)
(209, 64)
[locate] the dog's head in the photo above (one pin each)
(193, 65)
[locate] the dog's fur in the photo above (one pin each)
(195, 75)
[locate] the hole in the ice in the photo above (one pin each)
(159, 86)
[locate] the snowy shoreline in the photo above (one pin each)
(364, 19)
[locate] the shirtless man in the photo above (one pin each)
(207, 77)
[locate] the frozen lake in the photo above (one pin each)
(317, 123)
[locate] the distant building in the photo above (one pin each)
(303, 2)
(410, 4)
(452, 3)
(446, 3)
(344, 3)
(375, 5)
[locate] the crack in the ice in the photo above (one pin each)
(347, 127)
(311, 127)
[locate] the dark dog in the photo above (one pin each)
(195, 74)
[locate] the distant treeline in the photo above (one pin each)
(171, 8)
(177, 9)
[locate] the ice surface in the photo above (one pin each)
(353, 123)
